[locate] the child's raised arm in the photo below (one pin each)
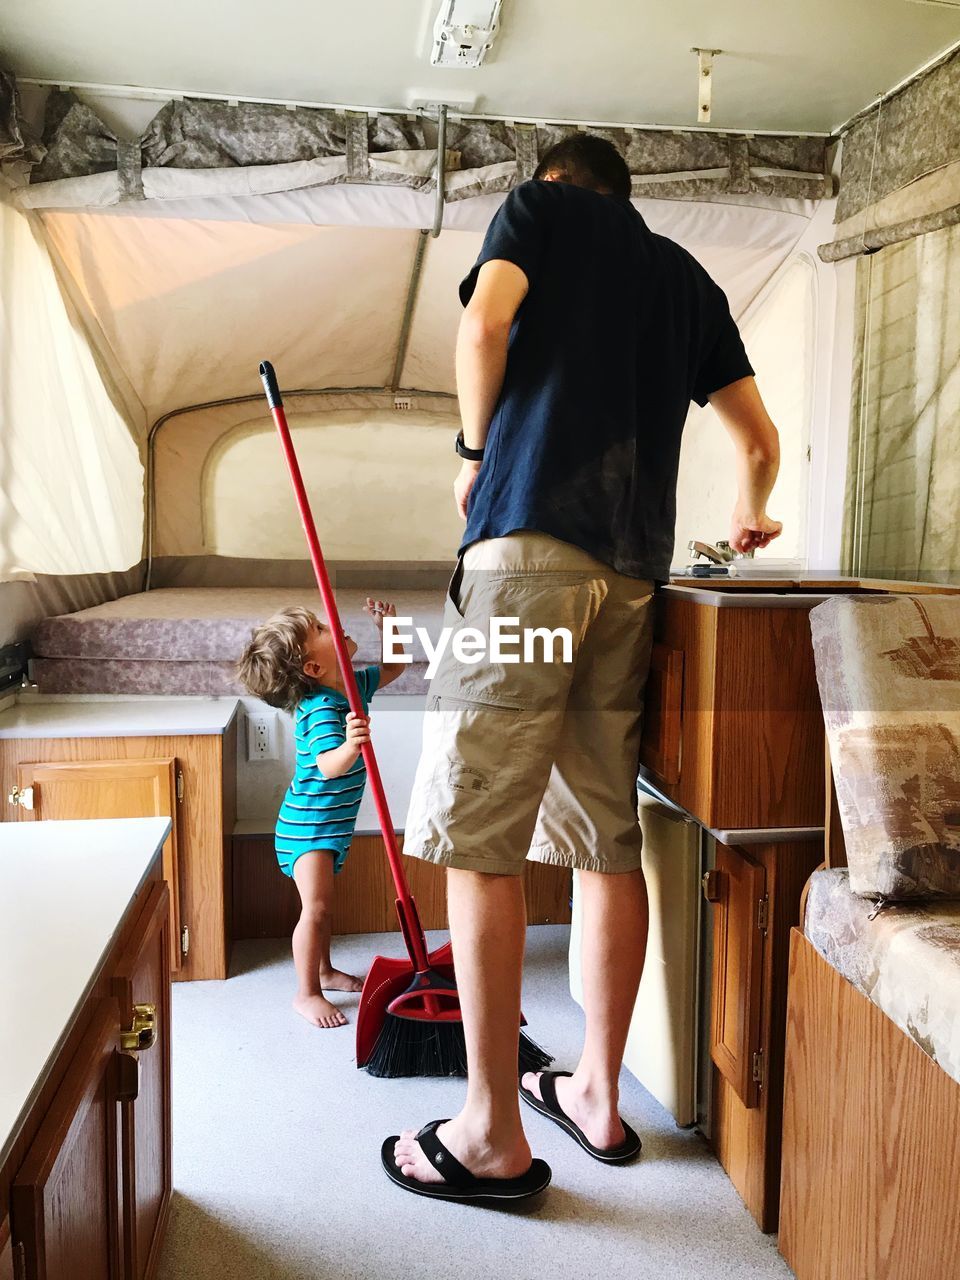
(378, 610)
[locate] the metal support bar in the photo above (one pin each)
(413, 289)
(705, 59)
(441, 168)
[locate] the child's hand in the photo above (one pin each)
(380, 609)
(358, 730)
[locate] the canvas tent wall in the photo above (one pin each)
(228, 234)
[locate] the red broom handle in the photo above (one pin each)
(406, 907)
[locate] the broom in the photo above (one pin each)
(409, 1021)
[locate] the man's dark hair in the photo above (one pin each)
(585, 160)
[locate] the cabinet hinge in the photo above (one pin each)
(19, 1261)
(185, 940)
(758, 1067)
(763, 913)
(180, 786)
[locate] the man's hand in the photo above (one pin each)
(358, 730)
(748, 532)
(380, 609)
(463, 484)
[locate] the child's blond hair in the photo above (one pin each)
(271, 666)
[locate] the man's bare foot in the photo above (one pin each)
(337, 980)
(596, 1118)
(319, 1011)
(508, 1159)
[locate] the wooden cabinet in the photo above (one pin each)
(191, 777)
(112, 789)
(90, 1198)
(733, 728)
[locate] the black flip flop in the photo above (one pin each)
(459, 1183)
(548, 1106)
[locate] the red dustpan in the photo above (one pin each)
(409, 1021)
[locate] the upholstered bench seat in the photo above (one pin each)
(905, 959)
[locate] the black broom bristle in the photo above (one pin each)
(409, 1047)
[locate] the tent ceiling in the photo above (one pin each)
(188, 306)
(805, 67)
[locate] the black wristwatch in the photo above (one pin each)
(472, 455)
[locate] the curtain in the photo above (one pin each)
(71, 480)
(902, 516)
(900, 172)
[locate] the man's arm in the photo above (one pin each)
(482, 342)
(757, 442)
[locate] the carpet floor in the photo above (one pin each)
(277, 1168)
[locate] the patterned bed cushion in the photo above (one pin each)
(209, 624)
(906, 959)
(888, 668)
(169, 679)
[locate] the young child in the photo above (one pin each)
(291, 663)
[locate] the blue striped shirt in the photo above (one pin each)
(319, 812)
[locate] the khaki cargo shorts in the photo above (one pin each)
(536, 759)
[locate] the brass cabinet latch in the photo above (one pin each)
(185, 941)
(143, 1033)
(23, 796)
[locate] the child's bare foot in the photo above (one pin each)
(337, 980)
(319, 1011)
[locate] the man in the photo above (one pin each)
(584, 338)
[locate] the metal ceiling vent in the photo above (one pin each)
(464, 32)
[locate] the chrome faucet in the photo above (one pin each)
(716, 553)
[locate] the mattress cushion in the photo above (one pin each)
(904, 957)
(212, 624)
(888, 669)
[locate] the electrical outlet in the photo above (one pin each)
(262, 735)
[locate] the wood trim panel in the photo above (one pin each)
(737, 970)
(40, 1209)
(871, 1139)
(266, 903)
(208, 774)
(6, 1251)
(663, 714)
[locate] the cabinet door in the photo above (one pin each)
(112, 789)
(65, 1198)
(142, 978)
(737, 971)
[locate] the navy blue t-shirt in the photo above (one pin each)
(620, 329)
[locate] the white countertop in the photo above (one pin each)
(140, 718)
(64, 890)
